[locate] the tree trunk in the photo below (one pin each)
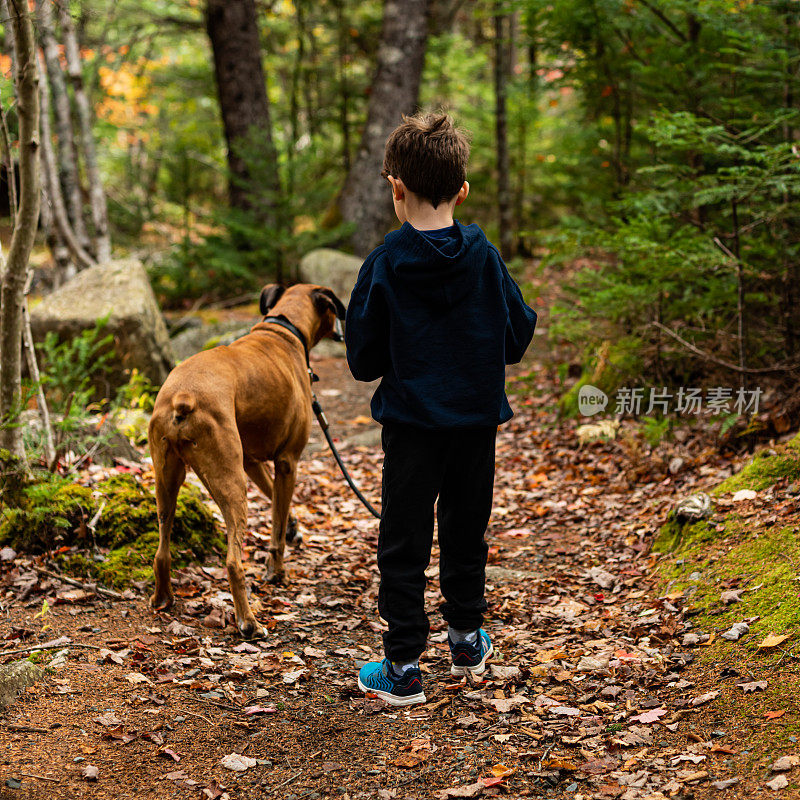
(16, 268)
(366, 199)
(67, 157)
(501, 70)
(241, 87)
(97, 197)
(52, 185)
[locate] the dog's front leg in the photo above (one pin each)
(285, 469)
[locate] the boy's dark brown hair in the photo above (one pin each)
(429, 154)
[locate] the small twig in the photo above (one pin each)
(14, 726)
(721, 362)
(289, 780)
(85, 586)
(34, 647)
(199, 716)
(40, 777)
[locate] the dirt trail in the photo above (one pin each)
(592, 694)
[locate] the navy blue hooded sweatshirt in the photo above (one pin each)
(437, 318)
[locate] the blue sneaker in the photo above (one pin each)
(470, 657)
(378, 678)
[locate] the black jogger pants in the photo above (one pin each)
(457, 466)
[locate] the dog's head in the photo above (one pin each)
(328, 307)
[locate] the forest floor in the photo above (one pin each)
(595, 690)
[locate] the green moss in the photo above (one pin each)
(728, 555)
(676, 533)
(54, 513)
(766, 469)
(608, 369)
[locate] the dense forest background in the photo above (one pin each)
(645, 149)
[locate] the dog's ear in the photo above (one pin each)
(270, 295)
(325, 298)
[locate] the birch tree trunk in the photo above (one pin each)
(12, 292)
(51, 182)
(97, 197)
(67, 161)
(366, 199)
(241, 87)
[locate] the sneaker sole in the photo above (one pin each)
(393, 699)
(478, 669)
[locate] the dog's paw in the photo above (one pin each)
(161, 602)
(250, 629)
(277, 577)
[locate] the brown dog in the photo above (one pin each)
(224, 413)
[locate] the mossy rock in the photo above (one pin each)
(766, 469)
(732, 553)
(54, 512)
(610, 367)
(676, 533)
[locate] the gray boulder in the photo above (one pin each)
(16, 676)
(120, 290)
(193, 340)
(332, 268)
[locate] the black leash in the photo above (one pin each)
(320, 414)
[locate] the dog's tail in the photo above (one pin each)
(182, 405)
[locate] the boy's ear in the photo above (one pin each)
(398, 187)
(462, 193)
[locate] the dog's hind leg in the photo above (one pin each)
(219, 465)
(285, 468)
(170, 473)
(259, 474)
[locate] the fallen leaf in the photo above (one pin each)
(705, 698)
(732, 596)
(775, 714)
(505, 704)
(137, 677)
(649, 716)
(470, 790)
(752, 686)
(237, 763)
(737, 630)
(249, 710)
(294, 676)
(502, 771)
(773, 640)
(108, 720)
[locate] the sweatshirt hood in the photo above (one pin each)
(439, 271)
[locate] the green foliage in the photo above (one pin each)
(71, 368)
(246, 249)
(688, 106)
(53, 512)
(655, 429)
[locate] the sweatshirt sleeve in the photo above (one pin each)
(521, 320)
(367, 328)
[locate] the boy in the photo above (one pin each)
(436, 316)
